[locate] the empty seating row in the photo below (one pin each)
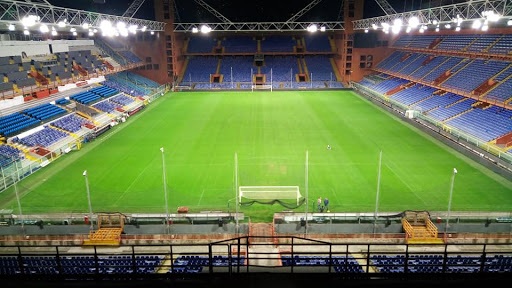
(45, 137)
(8, 154)
(104, 91)
(129, 56)
(44, 111)
(437, 263)
(85, 97)
(47, 265)
(122, 100)
(106, 106)
(341, 264)
(71, 123)
(15, 123)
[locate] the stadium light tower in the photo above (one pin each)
(88, 198)
(165, 191)
(450, 201)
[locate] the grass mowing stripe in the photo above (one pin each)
(201, 131)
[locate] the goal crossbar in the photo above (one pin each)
(269, 192)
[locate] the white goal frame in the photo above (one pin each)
(269, 189)
(261, 87)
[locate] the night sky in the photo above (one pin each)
(249, 11)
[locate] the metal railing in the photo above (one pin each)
(250, 254)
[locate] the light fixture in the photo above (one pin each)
(476, 24)
(133, 29)
(205, 29)
(365, 30)
(54, 33)
(44, 29)
(144, 29)
(414, 22)
(73, 29)
(437, 29)
(422, 30)
(375, 27)
(62, 24)
(26, 32)
(152, 32)
(385, 26)
(322, 29)
(448, 26)
(85, 26)
(312, 28)
(434, 22)
(408, 29)
(491, 16)
(91, 33)
(457, 28)
(30, 20)
(74, 33)
(485, 27)
(12, 27)
(194, 30)
(509, 22)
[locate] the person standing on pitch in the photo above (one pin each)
(326, 204)
(319, 204)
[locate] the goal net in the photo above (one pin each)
(269, 193)
(261, 87)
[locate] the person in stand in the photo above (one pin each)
(326, 204)
(319, 204)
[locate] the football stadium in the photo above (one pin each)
(225, 143)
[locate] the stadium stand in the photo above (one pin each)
(317, 43)
(8, 154)
(16, 123)
(45, 111)
(278, 44)
(203, 44)
(70, 123)
(106, 106)
(341, 264)
(239, 44)
(195, 264)
(45, 137)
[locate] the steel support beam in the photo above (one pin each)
(213, 11)
(386, 7)
(259, 26)
(471, 10)
(134, 7)
(12, 12)
(303, 11)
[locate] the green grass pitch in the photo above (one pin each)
(270, 131)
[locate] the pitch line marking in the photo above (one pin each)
(131, 184)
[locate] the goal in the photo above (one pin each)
(261, 87)
(269, 193)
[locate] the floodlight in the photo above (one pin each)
(375, 27)
(85, 26)
(457, 28)
(396, 29)
(322, 29)
(408, 29)
(29, 20)
(205, 29)
(194, 30)
(144, 29)
(85, 173)
(365, 30)
(74, 33)
(43, 28)
(133, 29)
(54, 33)
(509, 23)
(312, 28)
(476, 24)
(26, 32)
(120, 25)
(62, 24)
(434, 22)
(385, 25)
(491, 16)
(485, 28)
(437, 29)
(91, 33)
(455, 170)
(414, 22)
(73, 29)
(12, 27)
(152, 32)
(448, 26)
(422, 30)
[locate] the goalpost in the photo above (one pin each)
(269, 193)
(261, 87)
(269, 181)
